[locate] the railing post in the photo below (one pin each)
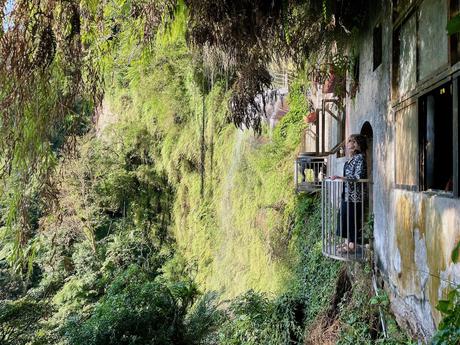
(362, 221)
(355, 221)
(329, 201)
(296, 178)
(334, 217)
(322, 218)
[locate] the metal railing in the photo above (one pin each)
(344, 214)
(281, 78)
(309, 172)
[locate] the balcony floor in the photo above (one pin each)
(308, 187)
(358, 255)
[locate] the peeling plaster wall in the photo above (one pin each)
(426, 228)
(414, 232)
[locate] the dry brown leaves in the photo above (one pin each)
(324, 331)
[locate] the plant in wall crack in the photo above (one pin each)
(449, 327)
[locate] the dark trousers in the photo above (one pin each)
(349, 221)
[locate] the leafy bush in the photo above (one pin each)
(140, 310)
(449, 327)
(19, 320)
(255, 319)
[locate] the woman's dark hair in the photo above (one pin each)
(361, 140)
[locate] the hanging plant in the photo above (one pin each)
(336, 75)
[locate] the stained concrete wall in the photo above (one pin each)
(414, 232)
(432, 37)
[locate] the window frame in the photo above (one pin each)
(456, 136)
(454, 40)
(453, 83)
(402, 11)
(454, 78)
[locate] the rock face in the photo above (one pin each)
(416, 226)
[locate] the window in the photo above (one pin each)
(405, 57)
(432, 41)
(420, 44)
(354, 84)
(377, 46)
(455, 38)
(356, 68)
(436, 134)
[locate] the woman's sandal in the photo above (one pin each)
(341, 248)
(345, 249)
(351, 250)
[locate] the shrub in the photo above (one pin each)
(140, 310)
(19, 320)
(255, 319)
(449, 327)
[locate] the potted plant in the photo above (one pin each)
(330, 82)
(311, 117)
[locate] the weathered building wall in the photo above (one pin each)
(425, 230)
(414, 232)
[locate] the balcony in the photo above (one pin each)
(344, 214)
(309, 172)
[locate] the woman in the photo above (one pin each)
(349, 224)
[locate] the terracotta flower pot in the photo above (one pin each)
(311, 118)
(329, 84)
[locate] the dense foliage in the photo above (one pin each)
(449, 328)
(164, 224)
(246, 36)
(49, 84)
(60, 55)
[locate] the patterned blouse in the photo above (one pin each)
(355, 169)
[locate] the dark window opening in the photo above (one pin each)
(356, 69)
(436, 139)
(354, 85)
(377, 46)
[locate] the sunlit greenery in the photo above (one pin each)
(152, 219)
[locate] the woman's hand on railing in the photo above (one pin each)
(341, 178)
